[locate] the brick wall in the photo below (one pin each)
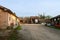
(3, 19)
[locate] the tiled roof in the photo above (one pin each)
(7, 10)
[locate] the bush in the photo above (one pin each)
(13, 35)
(9, 27)
(18, 28)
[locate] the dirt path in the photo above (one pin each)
(38, 32)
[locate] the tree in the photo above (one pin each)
(48, 17)
(42, 16)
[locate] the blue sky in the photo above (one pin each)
(33, 7)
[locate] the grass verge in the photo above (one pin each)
(54, 27)
(14, 34)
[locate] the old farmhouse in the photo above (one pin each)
(7, 18)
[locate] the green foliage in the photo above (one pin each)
(9, 27)
(13, 35)
(54, 27)
(43, 16)
(48, 17)
(18, 28)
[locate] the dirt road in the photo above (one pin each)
(38, 32)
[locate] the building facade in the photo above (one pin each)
(55, 21)
(7, 18)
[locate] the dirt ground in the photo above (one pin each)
(34, 32)
(38, 32)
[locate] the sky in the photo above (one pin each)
(32, 7)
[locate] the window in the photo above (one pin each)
(0, 15)
(58, 18)
(54, 19)
(9, 18)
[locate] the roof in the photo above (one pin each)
(7, 10)
(56, 17)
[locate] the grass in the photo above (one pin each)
(18, 28)
(14, 34)
(54, 27)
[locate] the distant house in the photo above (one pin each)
(34, 19)
(7, 18)
(56, 21)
